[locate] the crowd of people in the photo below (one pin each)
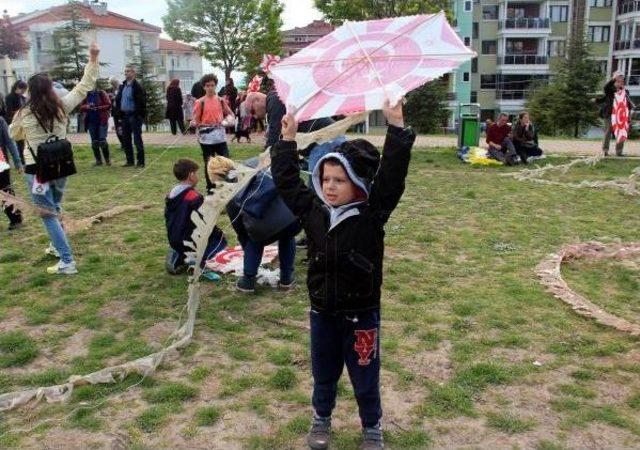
(342, 207)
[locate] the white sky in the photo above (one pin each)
(297, 13)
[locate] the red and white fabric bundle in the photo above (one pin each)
(620, 116)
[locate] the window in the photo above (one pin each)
(474, 65)
(598, 34)
(475, 30)
(474, 96)
(600, 3)
(465, 76)
(467, 41)
(468, 5)
(514, 47)
(487, 81)
(490, 12)
(556, 48)
(602, 67)
(489, 47)
(558, 13)
(39, 43)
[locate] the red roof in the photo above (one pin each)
(175, 46)
(109, 20)
(315, 27)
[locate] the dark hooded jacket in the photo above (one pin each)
(177, 215)
(346, 244)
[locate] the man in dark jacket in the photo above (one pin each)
(231, 92)
(13, 102)
(345, 227)
(197, 90)
(8, 147)
(131, 109)
(615, 84)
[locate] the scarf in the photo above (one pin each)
(620, 116)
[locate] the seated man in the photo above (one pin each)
(180, 204)
(499, 139)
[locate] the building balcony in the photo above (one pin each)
(628, 6)
(626, 45)
(633, 80)
(522, 60)
(526, 23)
(512, 94)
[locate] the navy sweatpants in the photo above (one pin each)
(353, 340)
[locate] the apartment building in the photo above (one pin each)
(519, 41)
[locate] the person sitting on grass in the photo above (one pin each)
(181, 202)
(501, 147)
(344, 223)
(525, 139)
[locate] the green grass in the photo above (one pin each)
(463, 317)
(509, 423)
(16, 349)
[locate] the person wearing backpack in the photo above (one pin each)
(44, 119)
(209, 112)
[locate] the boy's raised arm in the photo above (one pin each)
(286, 171)
(388, 184)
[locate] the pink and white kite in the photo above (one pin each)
(361, 64)
(268, 61)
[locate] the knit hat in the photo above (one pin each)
(360, 160)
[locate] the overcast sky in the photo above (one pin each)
(297, 13)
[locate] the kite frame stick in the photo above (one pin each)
(373, 68)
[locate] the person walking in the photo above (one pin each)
(112, 92)
(616, 85)
(131, 108)
(44, 116)
(230, 92)
(13, 102)
(208, 114)
(8, 147)
(97, 107)
(174, 113)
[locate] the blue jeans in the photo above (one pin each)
(354, 340)
(51, 201)
(286, 252)
(98, 132)
(132, 125)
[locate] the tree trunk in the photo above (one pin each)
(227, 73)
(576, 130)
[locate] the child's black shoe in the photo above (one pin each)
(320, 433)
(246, 284)
(372, 438)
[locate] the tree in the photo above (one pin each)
(70, 51)
(336, 11)
(12, 42)
(566, 103)
(425, 106)
(146, 75)
(232, 34)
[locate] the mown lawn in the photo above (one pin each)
(475, 352)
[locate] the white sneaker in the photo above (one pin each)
(51, 251)
(63, 268)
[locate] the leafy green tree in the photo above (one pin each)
(425, 108)
(70, 52)
(12, 43)
(337, 11)
(146, 75)
(231, 34)
(566, 105)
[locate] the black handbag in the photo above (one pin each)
(54, 158)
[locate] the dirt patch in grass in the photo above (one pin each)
(77, 344)
(434, 365)
(598, 435)
(115, 309)
(158, 334)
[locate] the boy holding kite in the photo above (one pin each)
(356, 193)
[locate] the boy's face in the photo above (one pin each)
(210, 88)
(337, 187)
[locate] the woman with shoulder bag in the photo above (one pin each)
(210, 117)
(42, 123)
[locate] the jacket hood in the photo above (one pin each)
(178, 194)
(355, 179)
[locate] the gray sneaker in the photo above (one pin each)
(372, 438)
(320, 433)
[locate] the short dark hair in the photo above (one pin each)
(209, 78)
(183, 167)
(20, 84)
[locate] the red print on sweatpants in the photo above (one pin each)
(365, 345)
